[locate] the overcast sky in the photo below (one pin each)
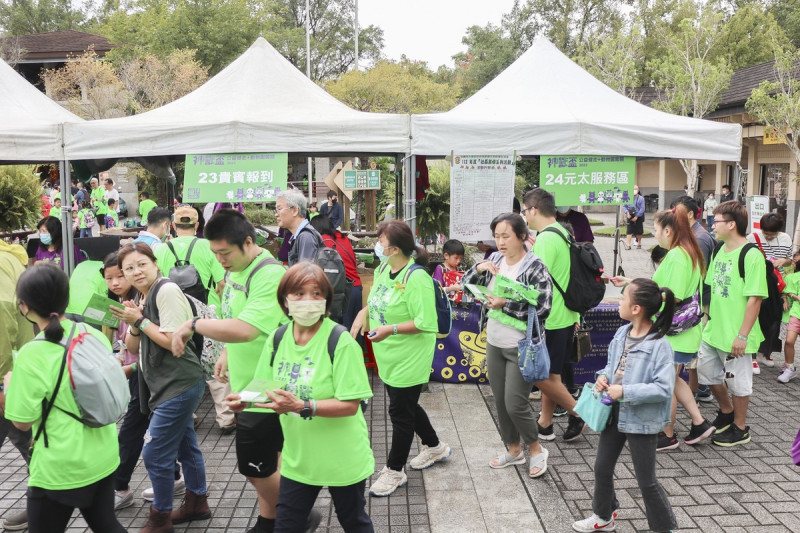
(428, 30)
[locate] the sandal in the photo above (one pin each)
(539, 461)
(506, 459)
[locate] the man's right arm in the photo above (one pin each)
(227, 330)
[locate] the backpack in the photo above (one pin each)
(96, 379)
(246, 288)
(333, 265)
(89, 218)
(772, 306)
(585, 288)
(186, 276)
(444, 311)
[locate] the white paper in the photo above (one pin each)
(481, 187)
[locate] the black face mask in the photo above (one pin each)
(26, 317)
(333, 201)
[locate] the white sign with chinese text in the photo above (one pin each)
(481, 187)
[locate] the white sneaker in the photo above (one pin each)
(594, 523)
(756, 370)
(388, 481)
(429, 455)
(123, 499)
(788, 374)
(180, 488)
(763, 360)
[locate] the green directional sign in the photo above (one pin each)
(362, 179)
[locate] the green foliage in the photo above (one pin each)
(787, 14)
(23, 17)
(433, 212)
(613, 58)
(528, 169)
(388, 190)
(20, 196)
(489, 52)
(260, 216)
(749, 36)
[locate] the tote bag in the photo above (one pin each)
(591, 409)
(534, 360)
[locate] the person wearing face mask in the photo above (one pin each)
(158, 221)
(402, 325)
(634, 214)
(50, 249)
(581, 229)
(170, 388)
(333, 209)
(328, 444)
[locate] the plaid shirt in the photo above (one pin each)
(533, 273)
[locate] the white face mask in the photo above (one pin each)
(379, 249)
(306, 312)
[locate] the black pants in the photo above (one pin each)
(407, 417)
(20, 439)
(296, 500)
(49, 511)
(131, 438)
(772, 339)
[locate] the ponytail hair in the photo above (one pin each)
(656, 301)
(45, 290)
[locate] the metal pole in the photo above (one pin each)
(411, 195)
(356, 22)
(616, 242)
(308, 40)
(67, 240)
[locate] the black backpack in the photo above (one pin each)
(333, 265)
(585, 288)
(772, 306)
(186, 276)
(246, 288)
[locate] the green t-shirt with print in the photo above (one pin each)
(792, 287)
(678, 273)
(729, 295)
(85, 281)
(404, 360)
(99, 197)
(76, 455)
(323, 451)
(82, 218)
(260, 309)
(55, 212)
(202, 258)
(554, 252)
(144, 207)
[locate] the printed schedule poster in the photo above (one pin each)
(234, 177)
(588, 179)
(481, 187)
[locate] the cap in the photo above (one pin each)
(185, 214)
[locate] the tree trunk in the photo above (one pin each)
(690, 168)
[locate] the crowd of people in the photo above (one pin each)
(281, 351)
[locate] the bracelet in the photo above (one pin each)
(313, 407)
(194, 324)
(134, 367)
(741, 338)
(132, 334)
(394, 329)
(145, 324)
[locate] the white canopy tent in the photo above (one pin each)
(545, 104)
(30, 122)
(258, 103)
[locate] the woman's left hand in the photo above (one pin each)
(130, 313)
(379, 333)
(615, 392)
(282, 402)
(494, 302)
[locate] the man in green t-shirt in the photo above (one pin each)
(145, 205)
(732, 334)
(98, 199)
(249, 313)
(540, 212)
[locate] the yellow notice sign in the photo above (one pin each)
(773, 136)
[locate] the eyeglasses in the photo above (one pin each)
(722, 220)
(279, 209)
(522, 212)
(141, 265)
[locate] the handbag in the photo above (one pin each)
(688, 314)
(534, 359)
(781, 282)
(581, 343)
(591, 409)
(796, 449)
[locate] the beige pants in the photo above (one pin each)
(218, 393)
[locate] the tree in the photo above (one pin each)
(787, 14)
(489, 52)
(614, 58)
(20, 196)
(393, 87)
(152, 82)
(22, 17)
(690, 78)
(11, 51)
(748, 36)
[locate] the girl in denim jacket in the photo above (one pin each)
(640, 378)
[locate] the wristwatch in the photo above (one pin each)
(138, 322)
(194, 324)
(305, 412)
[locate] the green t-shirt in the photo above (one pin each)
(202, 258)
(86, 280)
(112, 219)
(792, 287)
(678, 273)
(82, 218)
(260, 309)
(332, 452)
(55, 212)
(554, 252)
(99, 197)
(404, 360)
(76, 455)
(729, 294)
(144, 207)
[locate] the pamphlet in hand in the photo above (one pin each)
(97, 311)
(256, 390)
(479, 291)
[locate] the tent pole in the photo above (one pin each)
(398, 187)
(616, 241)
(67, 238)
(411, 195)
(309, 162)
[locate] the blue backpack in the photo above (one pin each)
(444, 313)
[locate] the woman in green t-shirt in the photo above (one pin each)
(72, 465)
(402, 327)
(322, 379)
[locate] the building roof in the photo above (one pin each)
(59, 44)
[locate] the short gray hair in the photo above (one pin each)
(294, 198)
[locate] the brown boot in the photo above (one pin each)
(157, 522)
(193, 507)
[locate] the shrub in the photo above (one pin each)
(20, 196)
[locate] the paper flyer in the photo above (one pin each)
(97, 311)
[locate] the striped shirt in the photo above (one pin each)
(780, 247)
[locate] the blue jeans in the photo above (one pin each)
(85, 232)
(171, 435)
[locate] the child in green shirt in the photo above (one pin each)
(85, 220)
(792, 291)
(112, 218)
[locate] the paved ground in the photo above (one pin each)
(749, 488)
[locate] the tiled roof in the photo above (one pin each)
(60, 44)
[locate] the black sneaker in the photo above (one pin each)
(699, 433)
(559, 411)
(575, 427)
(546, 433)
(704, 394)
(667, 443)
(732, 436)
(723, 421)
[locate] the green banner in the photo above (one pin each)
(234, 177)
(588, 179)
(362, 179)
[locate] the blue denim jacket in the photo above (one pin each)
(647, 385)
